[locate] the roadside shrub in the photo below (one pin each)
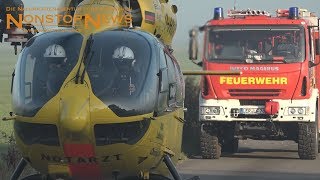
(191, 130)
(10, 159)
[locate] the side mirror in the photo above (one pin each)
(312, 64)
(193, 44)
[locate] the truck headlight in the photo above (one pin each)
(301, 111)
(297, 110)
(210, 110)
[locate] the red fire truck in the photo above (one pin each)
(276, 97)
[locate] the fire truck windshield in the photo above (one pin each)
(256, 44)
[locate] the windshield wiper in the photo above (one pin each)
(274, 61)
(86, 64)
(84, 59)
(268, 61)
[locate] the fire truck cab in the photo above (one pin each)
(276, 97)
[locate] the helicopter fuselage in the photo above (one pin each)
(90, 126)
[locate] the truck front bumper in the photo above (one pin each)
(254, 110)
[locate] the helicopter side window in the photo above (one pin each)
(176, 90)
(163, 81)
(30, 64)
(180, 86)
(172, 81)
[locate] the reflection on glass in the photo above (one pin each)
(122, 71)
(276, 44)
(42, 67)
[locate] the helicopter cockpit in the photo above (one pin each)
(43, 65)
(122, 70)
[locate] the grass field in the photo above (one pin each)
(7, 63)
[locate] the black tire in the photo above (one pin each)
(317, 129)
(231, 146)
(210, 147)
(308, 141)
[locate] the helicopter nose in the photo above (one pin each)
(74, 111)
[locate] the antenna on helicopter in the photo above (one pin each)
(43, 28)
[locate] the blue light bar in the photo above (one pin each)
(218, 13)
(294, 13)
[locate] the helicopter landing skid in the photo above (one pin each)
(173, 170)
(19, 169)
(17, 172)
(166, 159)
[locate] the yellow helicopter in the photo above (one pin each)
(104, 98)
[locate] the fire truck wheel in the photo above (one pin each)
(231, 146)
(210, 147)
(307, 141)
(317, 130)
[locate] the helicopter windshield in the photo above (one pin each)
(256, 44)
(122, 72)
(42, 67)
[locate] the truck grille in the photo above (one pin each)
(252, 116)
(254, 92)
(252, 102)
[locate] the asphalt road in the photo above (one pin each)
(256, 160)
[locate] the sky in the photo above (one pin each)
(196, 12)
